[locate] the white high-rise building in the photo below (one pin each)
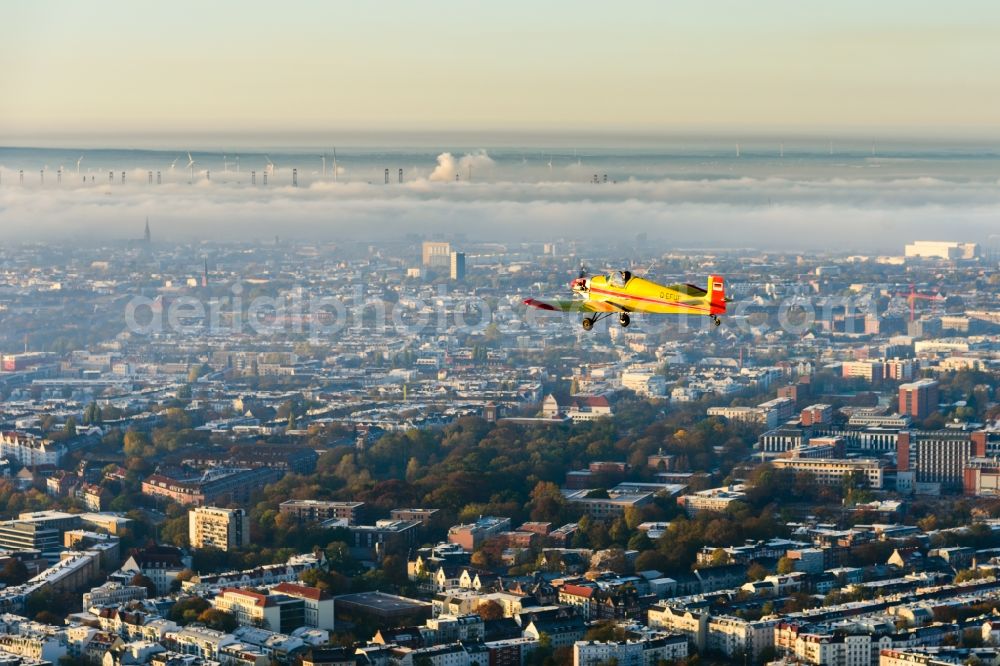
(942, 250)
(210, 527)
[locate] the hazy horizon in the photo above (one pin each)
(783, 124)
(689, 194)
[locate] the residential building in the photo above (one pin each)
(646, 384)
(458, 266)
(941, 250)
(318, 604)
(161, 564)
(713, 499)
(277, 612)
(872, 372)
(30, 451)
(373, 541)
(918, 399)
(471, 535)
(225, 529)
(423, 515)
(113, 594)
(832, 471)
(601, 504)
(215, 486)
(436, 254)
(644, 652)
(818, 414)
(318, 511)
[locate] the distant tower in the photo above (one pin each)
(400, 175)
(295, 177)
(111, 178)
(42, 172)
(253, 177)
(20, 174)
(386, 176)
(158, 181)
(204, 275)
(150, 177)
(458, 266)
(59, 176)
(123, 177)
(208, 175)
(147, 236)
(265, 178)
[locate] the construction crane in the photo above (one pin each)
(912, 297)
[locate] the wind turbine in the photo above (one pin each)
(174, 163)
(190, 165)
(550, 163)
(78, 165)
(270, 166)
(324, 165)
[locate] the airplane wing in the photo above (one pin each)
(575, 305)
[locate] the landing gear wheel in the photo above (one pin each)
(715, 320)
(588, 323)
(624, 320)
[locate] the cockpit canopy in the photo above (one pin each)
(619, 278)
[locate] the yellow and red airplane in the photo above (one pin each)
(620, 293)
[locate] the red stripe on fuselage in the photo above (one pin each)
(658, 301)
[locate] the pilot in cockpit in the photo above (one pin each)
(618, 279)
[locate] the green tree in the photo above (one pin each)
(490, 610)
(142, 580)
(92, 414)
(14, 572)
(136, 444)
(187, 610)
(218, 619)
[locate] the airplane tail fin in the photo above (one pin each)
(717, 293)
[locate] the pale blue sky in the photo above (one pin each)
(68, 67)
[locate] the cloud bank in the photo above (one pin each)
(448, 168)
(768, 213)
